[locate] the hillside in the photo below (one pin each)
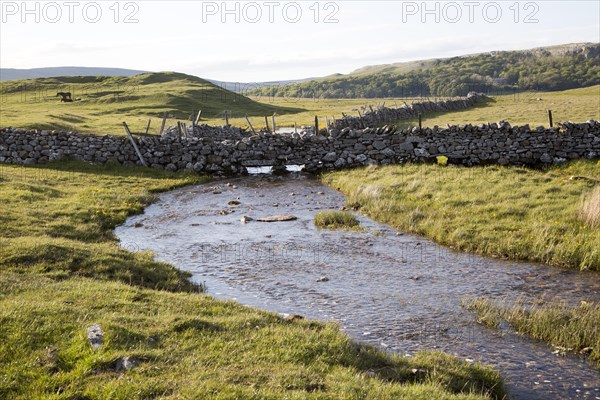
(7, 74)
(11, 74)
(108, 101)
(542, 69)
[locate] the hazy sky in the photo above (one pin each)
(277, 40)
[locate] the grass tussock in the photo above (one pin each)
(589, 212)
(575, 329)
(336, 220)
(506, 212)
(61, 270)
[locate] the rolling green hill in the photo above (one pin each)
(105, 102)
(542, 69)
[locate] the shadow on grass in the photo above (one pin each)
(69, 118)
(60, 259)
(71, 167)
(455, 375)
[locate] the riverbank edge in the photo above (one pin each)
(408, 196)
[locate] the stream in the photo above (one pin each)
(399, 292)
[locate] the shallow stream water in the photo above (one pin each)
(399, 292)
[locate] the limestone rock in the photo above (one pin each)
(125, 363)
(95, 336)
(277, 218)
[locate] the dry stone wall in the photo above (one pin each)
(382, 115)
(493, 143)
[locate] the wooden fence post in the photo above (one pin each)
(226, 118)
(193, 119)
(316, 125)
(198, 117)
(148, 127)
(162, 127)
(249, 123)
(550, 118)
(267, 123)
(135, 147)
(274, 126)
(420, 123)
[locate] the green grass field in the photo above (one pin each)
(108, 101)
(61, 270)
(577, 105)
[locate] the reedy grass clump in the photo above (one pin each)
(575, 329)
(61, 270)
(336, 220)
(506, 212)
(589, 211)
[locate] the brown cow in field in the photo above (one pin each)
(66, 96)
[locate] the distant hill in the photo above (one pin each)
(8, 74)
(243, 87)
(542, 69)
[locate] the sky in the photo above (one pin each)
(255, 41)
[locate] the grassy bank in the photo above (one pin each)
(61, 270)
(568, 329)
(508, 212)
(57, 221)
